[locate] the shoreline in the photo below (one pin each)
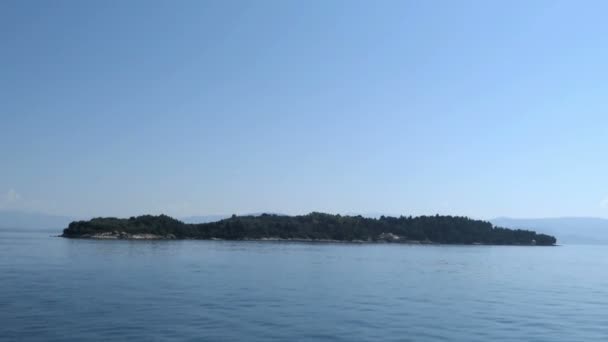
(314, 228)
(153, 237)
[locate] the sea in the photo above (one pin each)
(56, 289)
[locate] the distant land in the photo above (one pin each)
(312, 227)
(31, 221)
(15, 220)
(568, 230)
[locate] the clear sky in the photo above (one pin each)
(484, 108)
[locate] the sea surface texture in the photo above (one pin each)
(55, 289)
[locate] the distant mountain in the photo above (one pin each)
(567, 230)
(20, 220)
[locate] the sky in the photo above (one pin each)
(476, 108)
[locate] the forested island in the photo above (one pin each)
(312, 227)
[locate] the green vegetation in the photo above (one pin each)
(315, 227)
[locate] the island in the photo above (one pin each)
(313, 227)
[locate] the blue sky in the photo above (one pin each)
(478, 108)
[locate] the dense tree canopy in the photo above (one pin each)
(318, 226)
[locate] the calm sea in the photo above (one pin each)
(54, 289)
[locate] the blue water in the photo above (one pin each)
(54, 289)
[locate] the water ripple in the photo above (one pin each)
(73, 290)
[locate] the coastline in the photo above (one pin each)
(154, 237)
(311, 228)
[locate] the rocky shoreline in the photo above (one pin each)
(116, 235)
(122, 236)
(384, 239)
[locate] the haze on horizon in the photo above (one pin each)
(474, 108)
